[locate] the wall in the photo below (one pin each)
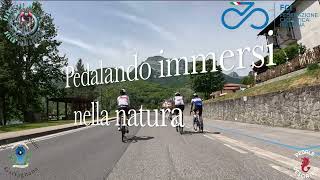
(299, 108)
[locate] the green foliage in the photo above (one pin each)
(208, 82)
(281, 56)
(145, 93)
(248, 80)
(89, 92)
(312, 67)
(29, 73)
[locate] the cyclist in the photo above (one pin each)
(196, 105)
(178, 103)
(123, 104)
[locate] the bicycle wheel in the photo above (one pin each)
(123, 131)
(195, 125)
(181, 126)
(181, 129)
(201, 124)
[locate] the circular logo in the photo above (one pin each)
(304, 157)
(23, 25)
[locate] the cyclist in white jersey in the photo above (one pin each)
(123, 104)
(178, 101)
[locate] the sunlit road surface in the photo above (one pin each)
(97, 153)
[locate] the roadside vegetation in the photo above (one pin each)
(309, 78)
(25, 126)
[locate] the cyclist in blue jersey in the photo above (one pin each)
(196, 105)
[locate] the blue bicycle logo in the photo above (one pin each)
(250, 5)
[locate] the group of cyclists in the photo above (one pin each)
(123, 103)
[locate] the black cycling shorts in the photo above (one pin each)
(125, 109)
(198, 109)
(176, 112)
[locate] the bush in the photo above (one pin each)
(280, 56)
(313, 66)
(248, 80)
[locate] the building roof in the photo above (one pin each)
(231, 85)
(276, 21)
(231, 88)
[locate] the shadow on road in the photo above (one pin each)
(194, 132)
(134, 139)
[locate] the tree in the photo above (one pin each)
(248, 80)
(208, 82)
(81, 91)
(35, 70)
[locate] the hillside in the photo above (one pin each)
(309, 78)
(177, 81)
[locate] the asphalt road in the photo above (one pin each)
(97, 153)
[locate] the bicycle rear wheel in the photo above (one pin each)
(181, 129)
(201, 124)
(195, 125)
(123, 131)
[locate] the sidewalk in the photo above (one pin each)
(11, 137)
(283, 141)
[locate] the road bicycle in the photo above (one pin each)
(197, 122)
(123, 128)
(179, 126)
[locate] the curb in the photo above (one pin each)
(35, 135)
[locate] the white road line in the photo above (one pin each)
(209, 137)
(285, 171)
(284, 161)
(42, 138)
(236, 149)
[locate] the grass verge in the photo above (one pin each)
(25, 126)
(309, 78)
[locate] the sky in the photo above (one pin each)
(113, 31)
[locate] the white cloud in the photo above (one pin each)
(143, 21)
(100, 52)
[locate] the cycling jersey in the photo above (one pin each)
(197, 102)
(178, 100)
(123, 100)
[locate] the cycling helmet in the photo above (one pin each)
(177, 94)
(195, 95)
(123, 92)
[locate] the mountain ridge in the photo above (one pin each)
(177, 81)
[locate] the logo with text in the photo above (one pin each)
(23, 25)
(20, 156)
(290, 17)
(304, 157)
(244, 13)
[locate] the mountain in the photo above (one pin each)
(234, 74)
(176, 81)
